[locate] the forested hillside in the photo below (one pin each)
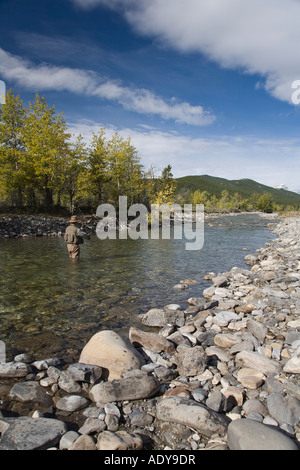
(247, 189)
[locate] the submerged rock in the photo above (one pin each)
(30, 392)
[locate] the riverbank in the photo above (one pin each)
(220, 372)
(23, 226)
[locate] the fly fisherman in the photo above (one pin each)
(74, 237)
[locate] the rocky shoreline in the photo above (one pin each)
(220, 373)
(24, 226)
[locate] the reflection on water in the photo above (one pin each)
(49, 303)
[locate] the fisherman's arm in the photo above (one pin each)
(82, 234)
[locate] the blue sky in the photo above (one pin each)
(205, 85)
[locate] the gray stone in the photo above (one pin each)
(141, 419)
(14, 369)
(257, 329)
(251, 260)
(178, 338)
(72, 403)
(248, 434)
(286, 410)
(54, 373)
(67, 440)
(273, 385)
(131, 388)
(120, 440)
(112, 422)
(150, 340)
(172, 307)
(292, 336)
(92, 425)
(192, 414)
(30, 392)
(220, 281)
(215, 401)
(67, 384)
(223, 318)
(85, 372)
(93, 412)
(292, 389)
(23, 358)
(242, 346)
(209, 292)
(292, 366)
(162, 317)
(25, 433)
(84, 442)
(181, 286)
(222, 355)
(191, 361)
(165, 374)
(253, 405)
(270, 421)
(257, 361)
(226, 340)
(112, 409)
(255, 416)
(46, 363)
(199, 394)
(154, 317)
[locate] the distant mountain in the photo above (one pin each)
(282, 186)
(245, 187)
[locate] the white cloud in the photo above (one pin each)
(50, 77)
(231, 157)
(146, 102)
(44, 76)
(257, 36)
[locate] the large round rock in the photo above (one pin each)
(247, 434)
(114, 354)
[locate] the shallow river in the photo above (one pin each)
(51, 305)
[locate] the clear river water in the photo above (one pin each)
(50, 305)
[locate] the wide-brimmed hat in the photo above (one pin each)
(74, 219)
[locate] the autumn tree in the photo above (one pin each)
(265, 203)
(166, 188)
(200, 197)
(124, 170)
(74, 172)
(13, 174)
(45, 136)
(150, 186)
(97, 175)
